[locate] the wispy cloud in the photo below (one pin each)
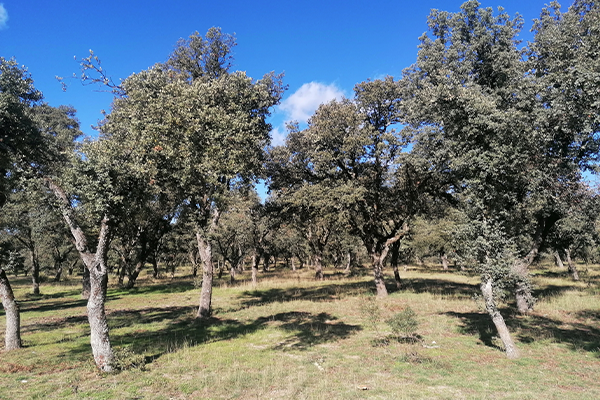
(301, 105)
(3, 16)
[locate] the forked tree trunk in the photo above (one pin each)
(97, 273)
(572, 267)
(490, 305)
(12, 336)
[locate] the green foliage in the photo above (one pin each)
(404, 324)
(125, 359)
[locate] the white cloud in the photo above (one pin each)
(3, 16)
(278, 136)
(303, 103)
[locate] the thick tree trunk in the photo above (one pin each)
(377, 262)
(99, 337)
(12, 336)
(348, 268)
(293, 264)
(132, 277)
(85, 284)
(572, 267)
(492, 309)
(232, 274)
(266, 260)
(558, 260)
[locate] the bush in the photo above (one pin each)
(404, 324)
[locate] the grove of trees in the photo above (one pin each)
(479, 155)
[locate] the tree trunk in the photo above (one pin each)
(232, 274)
(557, 259)
(377, 259)
(348, 268)
(85, 284)
(255, 261)
(12, 336)
(266, 260)
(35, 271)
(572, 267)
(99, 337)
(97, 277)
(132, 277)
(59, 270)
(444, 258)
(490, 305)
(205, 251)
(394, 261)
(318, 267)
(293, 264)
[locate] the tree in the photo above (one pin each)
(351, 157)
(21, 147)
(196, 129)
(483, 109)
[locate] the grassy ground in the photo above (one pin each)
(294, 338)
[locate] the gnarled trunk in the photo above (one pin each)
(12, 336)
(558, 260)
(445, 263)
(377, 263)
(492, 309)
(572, 267)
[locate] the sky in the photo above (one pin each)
(323, 47)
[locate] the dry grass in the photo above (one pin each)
(293, 338)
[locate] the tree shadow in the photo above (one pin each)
(441, 287)
(550, 291)
(532, 328)
(310, 329)
(477, 324)
(327, 292)
(184, 330)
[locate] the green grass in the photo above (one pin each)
(294, 338)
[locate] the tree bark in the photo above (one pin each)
(490, 305)
(35, 271)
(572, 267)
(558, 260)
(444, 258)
(12, 336)
(394, 261)
(318, 267)
(377, 259)
(255, 261)
(96, 267)
(205, 252)
(86, 286)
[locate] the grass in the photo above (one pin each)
(295, 338)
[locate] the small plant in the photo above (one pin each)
(126, 358)
(404, 324)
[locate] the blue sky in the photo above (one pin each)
(323, 47)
